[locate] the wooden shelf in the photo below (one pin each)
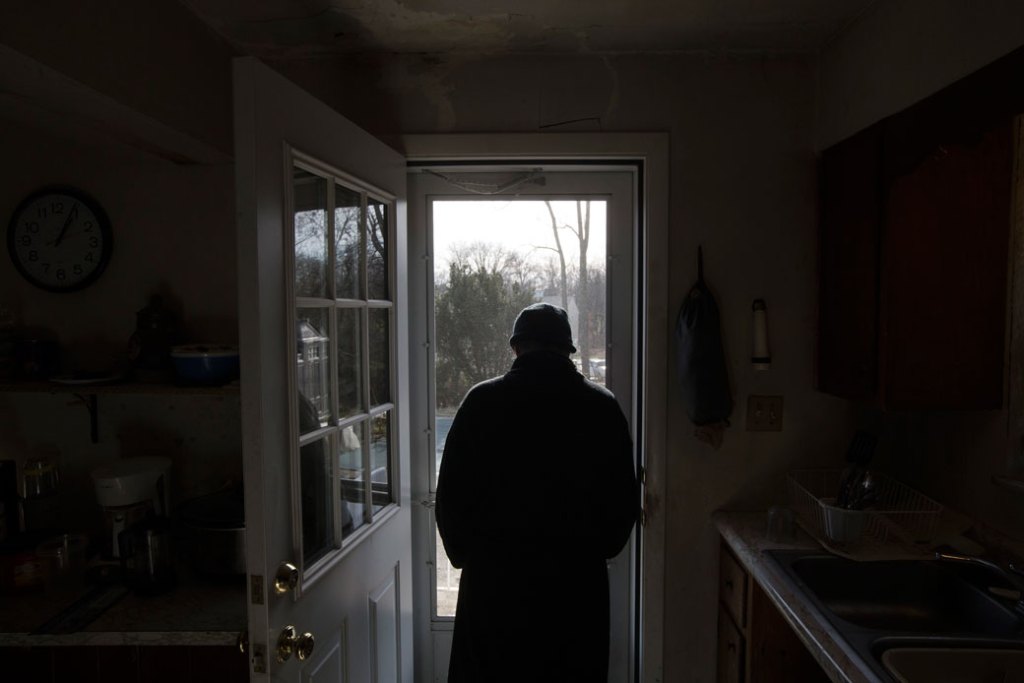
(88, 393)
(14, 386)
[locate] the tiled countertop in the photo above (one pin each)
(196, 612)
(745, 534)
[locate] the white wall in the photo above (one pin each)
(903, 51)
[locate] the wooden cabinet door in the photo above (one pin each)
(776, 654)
(913, 272)
(848, 268)
(730, 650)
(947, 226)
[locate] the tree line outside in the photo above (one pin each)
(486, 284)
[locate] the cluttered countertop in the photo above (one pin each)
(196, 611)
(149, 575)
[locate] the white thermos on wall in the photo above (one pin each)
(760, 355)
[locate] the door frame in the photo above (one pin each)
(651, 152)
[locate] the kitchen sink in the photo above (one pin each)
(895, 614)
(914, 596)
(954, 665)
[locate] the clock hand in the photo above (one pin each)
(71, 216)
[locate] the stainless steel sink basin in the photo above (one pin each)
(904, 596)
(893, 614)
(954, 665)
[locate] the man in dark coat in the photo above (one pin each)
(537, 489)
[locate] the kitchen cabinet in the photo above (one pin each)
(913, 261)
(755, 643)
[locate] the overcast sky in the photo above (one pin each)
(518, 225)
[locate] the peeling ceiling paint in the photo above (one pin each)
(297, 28)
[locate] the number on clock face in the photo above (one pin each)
(59, 239)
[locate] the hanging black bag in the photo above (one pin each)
(703, 378)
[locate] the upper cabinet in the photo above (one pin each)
(945, 247)
(850, 204)
(914, 235)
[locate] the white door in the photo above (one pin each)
(505, 219)
(324, 348)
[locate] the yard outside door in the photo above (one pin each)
(324, 348)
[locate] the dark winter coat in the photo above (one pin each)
(537, 488)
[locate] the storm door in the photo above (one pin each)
(492, 243)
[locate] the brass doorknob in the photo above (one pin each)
(286, 578)
(304, 646)
(290, 641)
(243, 642)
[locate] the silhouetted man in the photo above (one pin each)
(536, 490)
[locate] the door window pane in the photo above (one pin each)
(380, 356)
(350, 361)
(310, 199)
(343, 356)
(317, 511)
(352, 473)
(377, 249)
(348, 251)
(380, 459)
(313, 368)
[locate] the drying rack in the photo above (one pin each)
(900, 524)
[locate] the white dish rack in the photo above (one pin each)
(900, 523)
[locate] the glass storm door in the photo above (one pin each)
(493, 243)
(323, 337)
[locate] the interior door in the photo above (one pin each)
(324, 348)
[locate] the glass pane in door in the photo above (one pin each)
(380, 356)
(348, 252)
(350, 361)
(380, 460)
(317, 511)
(492, 258)
(313, 368)
(353, 477)
(311, 252)
(377, 249)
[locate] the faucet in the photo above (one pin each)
(1011, 573)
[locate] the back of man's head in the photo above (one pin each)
(542, 326)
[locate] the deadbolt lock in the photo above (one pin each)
(291, 642)
(286, 579)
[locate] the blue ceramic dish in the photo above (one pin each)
(209, 364)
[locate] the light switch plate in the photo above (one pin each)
(764, 413)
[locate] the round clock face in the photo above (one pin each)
(59, 239)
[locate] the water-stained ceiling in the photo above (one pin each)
(296, 28)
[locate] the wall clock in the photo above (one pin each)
(59, 239)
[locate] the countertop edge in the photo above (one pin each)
(110, 638)
(744, 533)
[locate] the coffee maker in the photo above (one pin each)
(130, 491)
